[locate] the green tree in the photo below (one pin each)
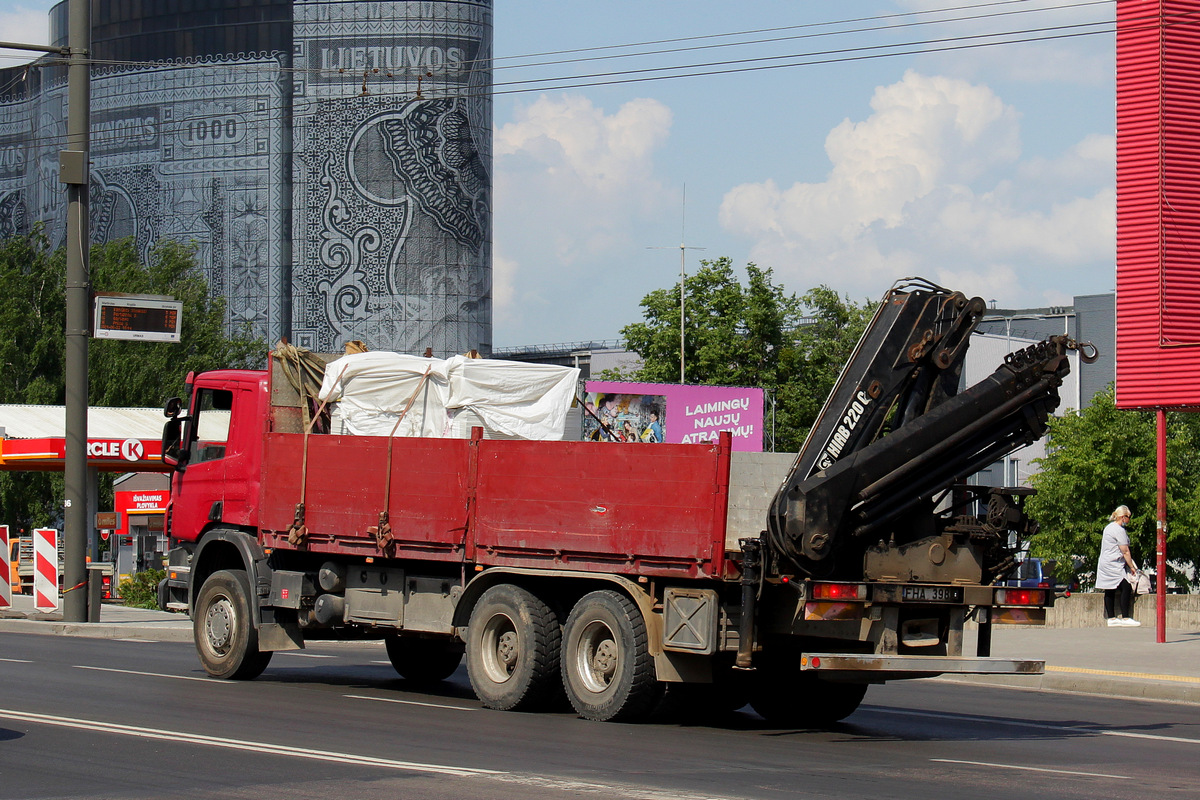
(121, 373)
(754, 334)
(833, 326)
(1103, 457)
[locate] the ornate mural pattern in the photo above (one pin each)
(336, 185)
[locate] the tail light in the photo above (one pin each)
(1020, 597)
(839, 591)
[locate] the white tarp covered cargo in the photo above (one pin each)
(446, 397)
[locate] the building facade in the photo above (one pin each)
(1090, 318)
(330, 160)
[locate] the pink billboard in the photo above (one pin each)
(650, 413)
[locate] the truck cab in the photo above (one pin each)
(216, 451)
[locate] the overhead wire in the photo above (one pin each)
(871, 18)
(835, 51)
(848, 31)
(733, 66)
(496, 66)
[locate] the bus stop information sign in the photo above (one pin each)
(140, 317)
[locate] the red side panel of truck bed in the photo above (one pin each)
(345, 486)
(628, 508)
(635, 509)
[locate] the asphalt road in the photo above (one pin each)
(94, 718)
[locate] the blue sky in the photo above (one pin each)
(987, 169)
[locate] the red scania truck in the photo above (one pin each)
(610, 571)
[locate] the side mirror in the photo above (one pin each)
(173, 454)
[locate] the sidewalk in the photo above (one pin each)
(116, 622)
(1120, 662)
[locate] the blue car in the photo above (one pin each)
(1037, 573)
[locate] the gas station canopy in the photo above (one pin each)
(119, 439)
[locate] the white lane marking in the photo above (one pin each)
(155, 674)
(240, 744)
(17, 660)
(408, 702)
(136, 641)
(631, 792)
(1031, 769)
(1036, 725)
(303, 655)
(608, 790)
(382, 662)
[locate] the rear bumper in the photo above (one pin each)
(874, 668)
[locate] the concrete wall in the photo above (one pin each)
(1087, 611)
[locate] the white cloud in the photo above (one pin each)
(27, 23)
(929, 182)
(1081, 230)
(504, 272)
(925, 131)
(573, 182)
(1090, 162)
(575, 141)
(1069, 44)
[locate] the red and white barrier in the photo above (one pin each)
(5, 570)
(45, 569)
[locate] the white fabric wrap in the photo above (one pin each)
(509, 399)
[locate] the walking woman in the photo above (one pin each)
(1110, 570)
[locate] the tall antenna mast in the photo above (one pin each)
(683, 248)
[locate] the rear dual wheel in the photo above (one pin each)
(607, 668)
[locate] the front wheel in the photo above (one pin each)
(223, 628)
(607, 667)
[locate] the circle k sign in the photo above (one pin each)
(129, 449)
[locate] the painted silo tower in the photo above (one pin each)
(331, 161)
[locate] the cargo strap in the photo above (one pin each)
(383, 531)
(298, 533)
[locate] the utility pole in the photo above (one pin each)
(683, 248)
(73, 171)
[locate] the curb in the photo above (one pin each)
(1078, 680)
(100, 630)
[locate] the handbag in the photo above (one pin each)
(1141, 583)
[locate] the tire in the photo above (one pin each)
(513, 644)
(223, 628)
(424, 660)
(805, 701)
(607, 668)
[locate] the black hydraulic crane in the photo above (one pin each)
(872, 494)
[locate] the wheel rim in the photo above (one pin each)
(500, 648)
(598, 657)
(219, 625)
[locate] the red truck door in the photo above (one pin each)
(200, 497)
